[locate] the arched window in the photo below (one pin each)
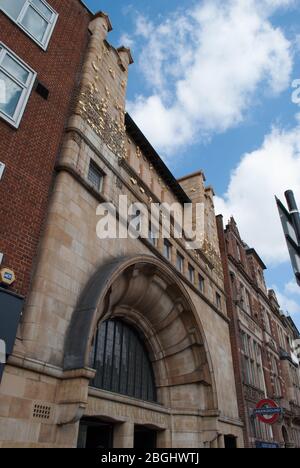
(121, 361)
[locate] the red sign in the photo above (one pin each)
(268, 412)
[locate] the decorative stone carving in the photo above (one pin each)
(94, 111)
(213, 256)
(72, 396)
(138, 152)
(145, 293)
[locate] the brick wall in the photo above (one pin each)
(233, 328)
(244, 266)
(31, 151)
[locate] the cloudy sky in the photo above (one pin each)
(211, 88)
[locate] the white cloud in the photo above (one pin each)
(126, 40)
(260, 175)
(204, 67)
(292, 288)
(287, 304)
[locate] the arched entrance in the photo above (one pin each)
(145, 296)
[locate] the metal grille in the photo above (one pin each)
(95, 177)
(122, 362)
(41, 411)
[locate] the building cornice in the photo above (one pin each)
(250, 281)
(154, 250)
(138, 137)
(100, 197)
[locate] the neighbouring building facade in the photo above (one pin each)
(122, 342)
(264, 344)
(37, 84)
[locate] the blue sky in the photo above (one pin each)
(211, 87)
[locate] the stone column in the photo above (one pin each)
(221, 441)
(214, 443)
(124, 435)
(164, 439)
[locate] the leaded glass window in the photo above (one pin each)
(122, 362)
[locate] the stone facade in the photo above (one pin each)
(263, 343)
(81, 280)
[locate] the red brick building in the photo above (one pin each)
(263, 343)
(42, 47)
(30, 139)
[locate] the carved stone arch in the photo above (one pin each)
(144, 292)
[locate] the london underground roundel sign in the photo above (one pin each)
(268, 411)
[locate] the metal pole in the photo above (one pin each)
(294, 212)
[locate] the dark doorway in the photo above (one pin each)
(230, 442)
(95, 434)
(144, 438)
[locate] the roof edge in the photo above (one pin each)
(86, 7)
(128, 51)
(190, 176)
(253, 252)
(101, 14)
(150, 153)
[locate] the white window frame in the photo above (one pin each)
(27, 87)
(51, 23)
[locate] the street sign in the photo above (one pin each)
(7, 276)
(291, 237)
(266, 445)
(268, 412)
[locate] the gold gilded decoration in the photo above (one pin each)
(210, 252)
(105, 50)
(113, 73)
(95, 67)
(138, 152)
(94, 110)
